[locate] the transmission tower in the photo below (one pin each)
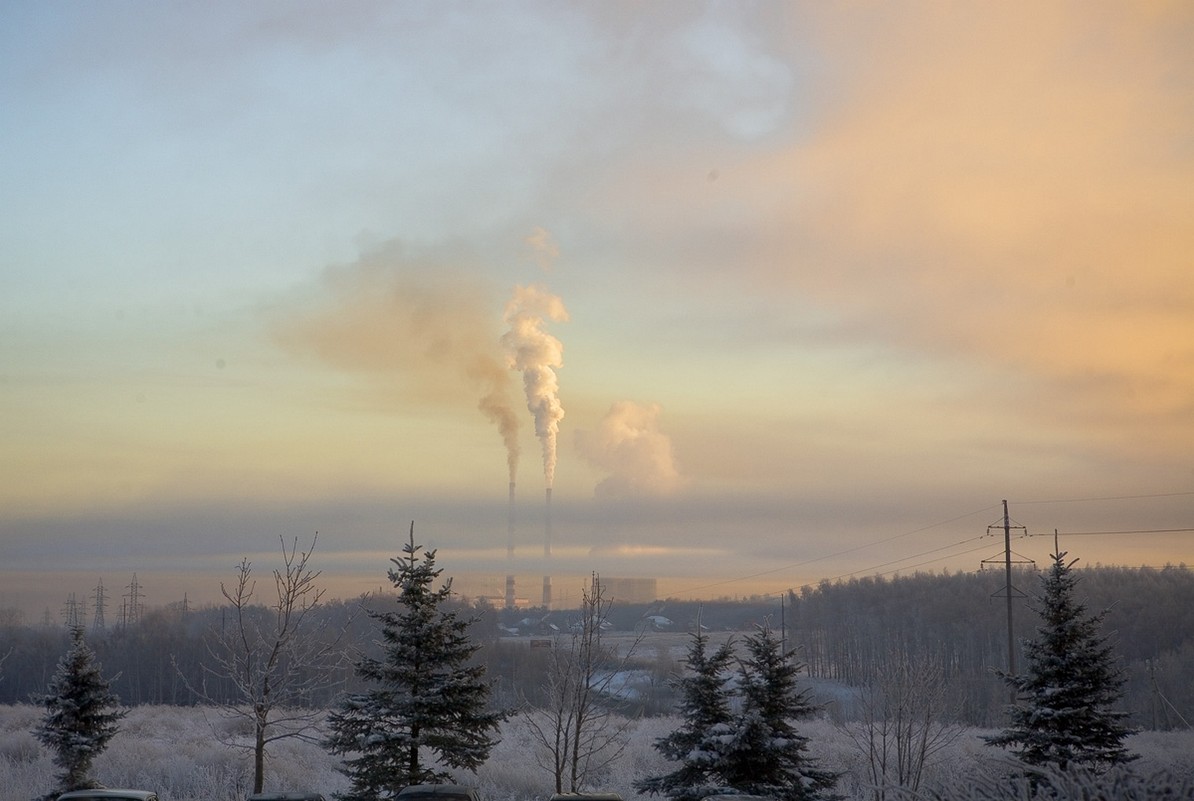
(132, 606)
(73, 613)
(101, 602)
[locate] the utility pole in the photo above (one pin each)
(1007, 554)
(1009, 592)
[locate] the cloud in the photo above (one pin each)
(1001, 192)
(1011, 188)
(628, 444)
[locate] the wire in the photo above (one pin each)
(962, 553)
(1130, 531)
(848, 551)
(917, 556)
(1108, 498)
(930, 561)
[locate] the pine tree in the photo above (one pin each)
(428, 700)
(81, 714)
(767, 755)
(1069, 688)
(698, 744)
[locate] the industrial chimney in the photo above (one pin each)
(547, 552)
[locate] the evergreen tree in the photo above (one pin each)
(699, 744)
(81, 714)
(428, 699)
(1069, 688)
(767, 755)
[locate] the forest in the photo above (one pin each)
(932, 644)
(843, 632)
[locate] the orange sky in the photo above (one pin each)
(820, 276)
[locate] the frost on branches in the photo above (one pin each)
(1069, 688)
(428, 704)
(699, 743)
(756, 750)
(81, 714)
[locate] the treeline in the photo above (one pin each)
(168, 653)
(845, 632)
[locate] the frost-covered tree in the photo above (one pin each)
(699, 744)
(1069, 688)
(273, 659)
(80, 717)
(767, 755)
(428, 702)
(576, 731)
(901, 728)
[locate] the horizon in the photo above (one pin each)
(755, 293)
(346, 575)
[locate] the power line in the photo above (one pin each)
(892, 538)
(1128, 531)
(929, 561)
(1108, 498)
(917, 556)
(847, 551)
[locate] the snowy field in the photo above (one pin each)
(176, 751)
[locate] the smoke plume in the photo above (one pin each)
(543, 247)
(536, 353)
(629, 445)
(421, 327)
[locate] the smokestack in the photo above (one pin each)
(510, 550)
(510, 525)
(547, 528)
(547, 551)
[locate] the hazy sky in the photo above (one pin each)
(797, 289)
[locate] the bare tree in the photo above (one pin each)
(578, 730)
(902, 725)
(273, 658)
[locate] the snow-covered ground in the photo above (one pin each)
(176, 751)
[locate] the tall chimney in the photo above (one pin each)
(510, 525)
(547, 552)
(510, 550)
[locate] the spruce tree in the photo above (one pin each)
(428, 703)
(81, 713)
(699, 744)
(767, 755)
(1069, 687)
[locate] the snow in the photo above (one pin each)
(173, 750)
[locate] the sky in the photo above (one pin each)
(766, 293)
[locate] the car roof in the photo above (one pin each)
(289, 795)
(439, 790)
(109, 795)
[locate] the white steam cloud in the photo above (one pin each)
(536, 354)
(629, 445)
